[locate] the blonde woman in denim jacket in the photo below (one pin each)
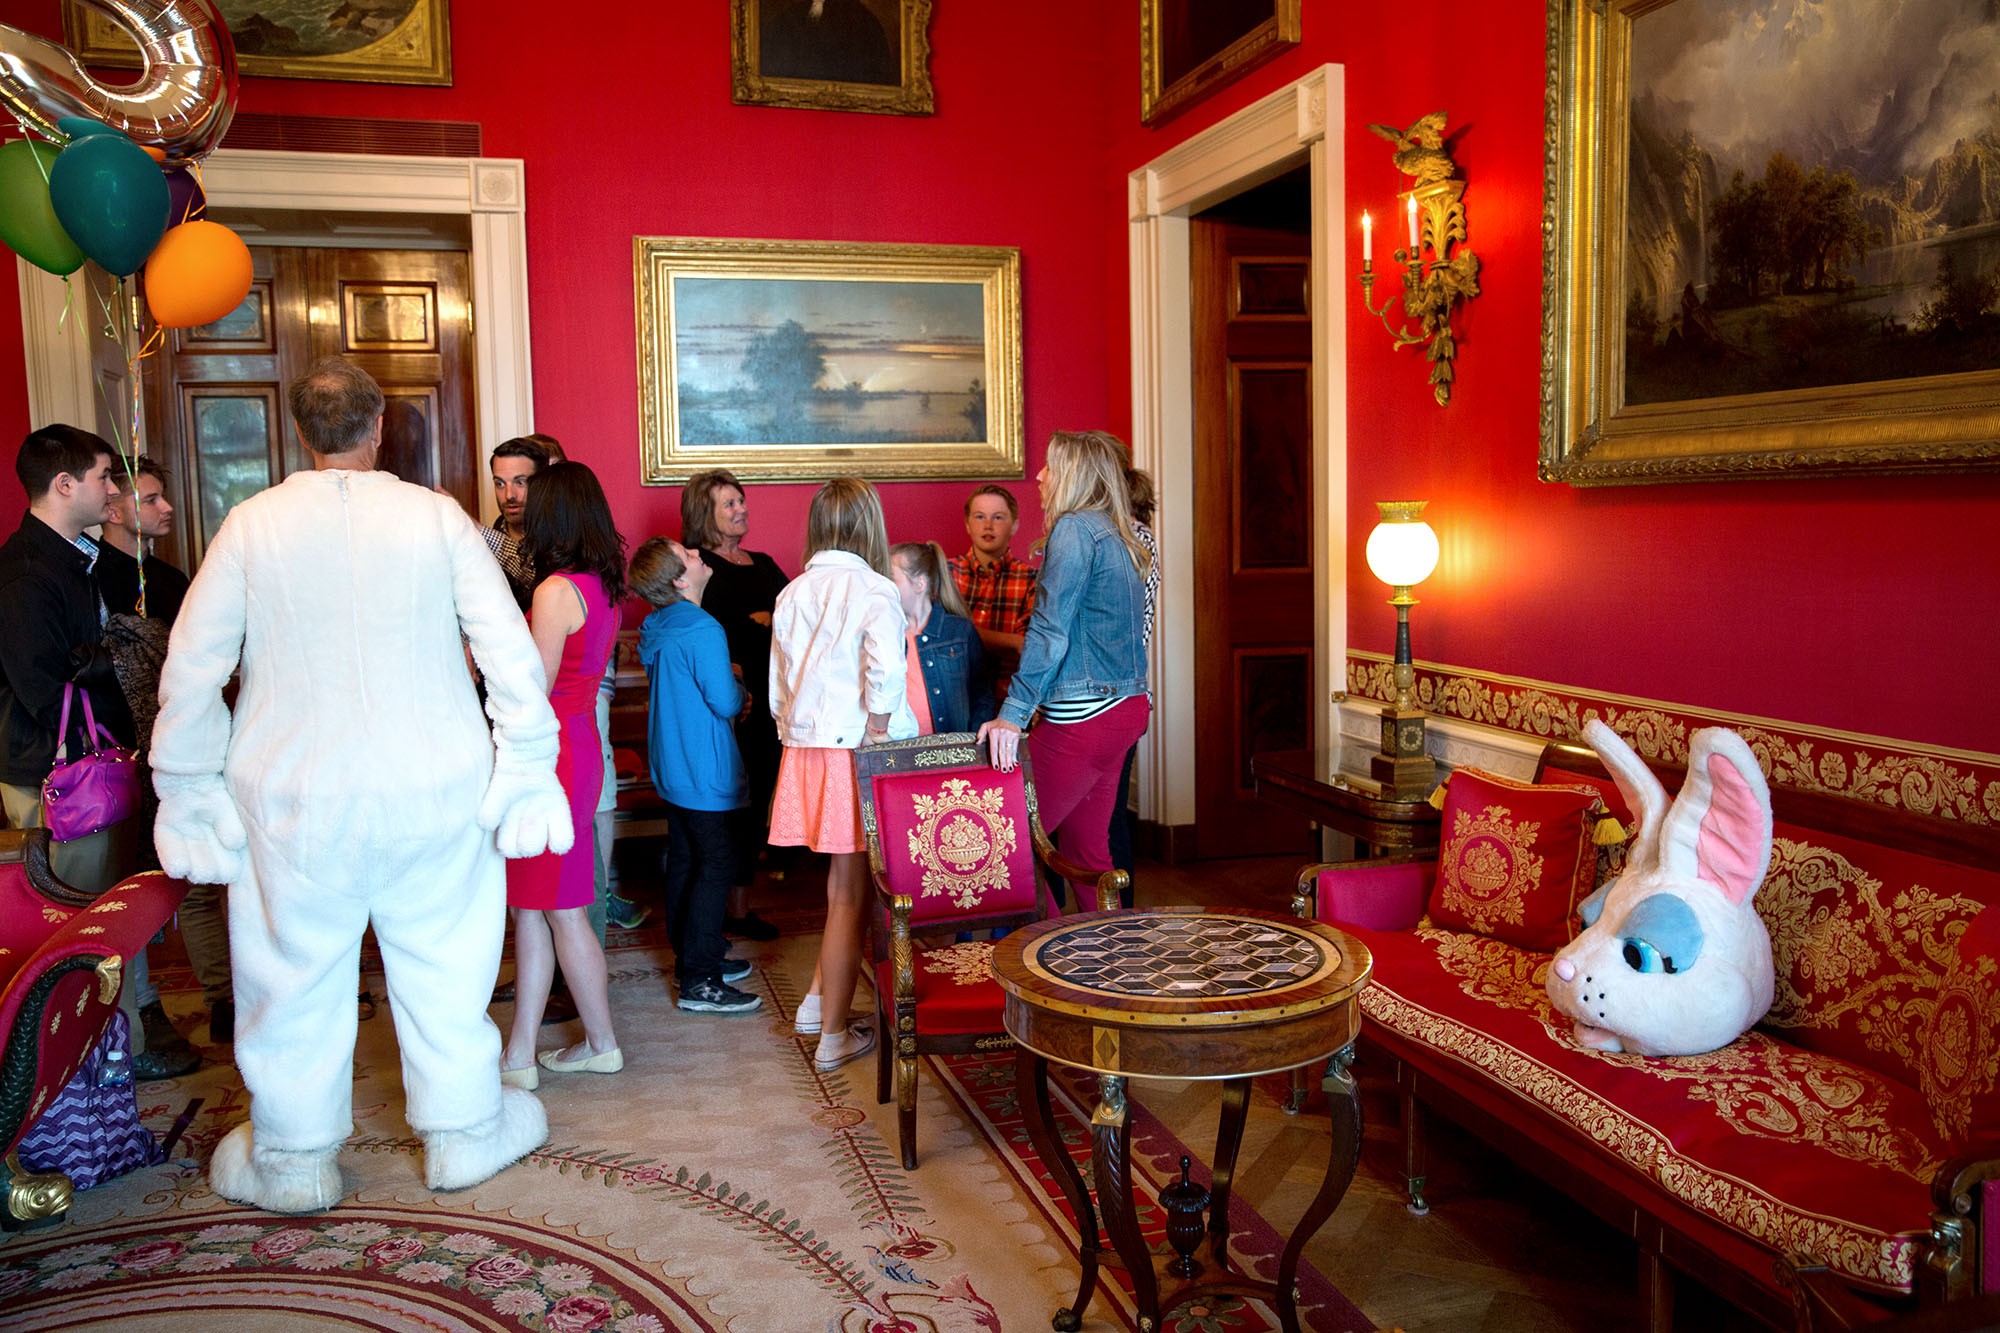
(1083, 661)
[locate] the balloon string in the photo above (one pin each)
(69, 298)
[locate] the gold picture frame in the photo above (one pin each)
(832, 55)
(1189, 48)
(1596, 312)
(803, 360)
(410, 45)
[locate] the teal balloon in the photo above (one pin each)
(111, 199)
(82, 127)
(27, 220)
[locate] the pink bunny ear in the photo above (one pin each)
(1719, 830)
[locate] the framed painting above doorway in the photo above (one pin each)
(1764, 265)
(360, 41)
(1189, 48)
(803, 360)
(832, 55)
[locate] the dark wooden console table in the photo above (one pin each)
(1331, 787)
(1181, 993)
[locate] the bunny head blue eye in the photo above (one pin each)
(1662, 935)
(1643, 957)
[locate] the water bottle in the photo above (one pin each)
(116, 1071)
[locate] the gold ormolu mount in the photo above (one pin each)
(1429, 291)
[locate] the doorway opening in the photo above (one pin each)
(1250, 280)
(1298, 128)
(390, 293)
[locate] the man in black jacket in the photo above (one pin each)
(54, 616)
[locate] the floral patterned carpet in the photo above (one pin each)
(719, 1182)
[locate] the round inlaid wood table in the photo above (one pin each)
(1181, 993)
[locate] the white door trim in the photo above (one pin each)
(490, 192)
(1303, 121)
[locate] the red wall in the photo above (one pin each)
(627, 129)
(1866, 606)
(1870, 606)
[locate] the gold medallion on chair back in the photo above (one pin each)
(956, 842)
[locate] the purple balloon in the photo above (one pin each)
(185, 200)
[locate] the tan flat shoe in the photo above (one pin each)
(527, 1076)
(604, 1062)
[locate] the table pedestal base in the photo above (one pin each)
(1110, 1156)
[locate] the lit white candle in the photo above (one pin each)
(1413, 226)
(1367, 239)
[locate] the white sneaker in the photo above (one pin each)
(856, 1042)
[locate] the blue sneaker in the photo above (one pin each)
(624, 913)
(735, 969)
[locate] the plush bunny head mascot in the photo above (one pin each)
(1673, 959)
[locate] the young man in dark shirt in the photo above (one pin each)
(140, 516)
(54, 615)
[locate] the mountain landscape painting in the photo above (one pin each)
(1813, 196)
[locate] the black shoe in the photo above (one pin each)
(168, 1054)
(162, 1036)
(735, 969)
(559, 1009)
(708, 996)
(504, 993)
(750, 926)
(222, 1022)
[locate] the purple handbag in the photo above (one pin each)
(93, 791)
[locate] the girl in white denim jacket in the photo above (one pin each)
(837, 683)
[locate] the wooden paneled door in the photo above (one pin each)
(1253, 540)
(215, 395)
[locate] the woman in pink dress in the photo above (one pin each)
(579, 558)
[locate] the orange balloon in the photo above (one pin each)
(157, 154)
(199, 272)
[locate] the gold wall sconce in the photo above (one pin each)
(1435, 210)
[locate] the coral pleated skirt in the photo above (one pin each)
(817, 803)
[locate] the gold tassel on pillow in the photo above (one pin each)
(1609, 832)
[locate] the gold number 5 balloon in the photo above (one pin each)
(183, 101)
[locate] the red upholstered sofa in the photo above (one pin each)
(62, 954)
(1837, 1165)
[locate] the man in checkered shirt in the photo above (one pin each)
(999, 591)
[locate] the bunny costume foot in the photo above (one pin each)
(1673, 958)
(274, 1179)
(356, 785)
(456, 1159)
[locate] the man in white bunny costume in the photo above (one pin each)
(357, 785)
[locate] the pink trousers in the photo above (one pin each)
(1076, 780)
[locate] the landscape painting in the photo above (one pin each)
(364, 41)
(1771, 240)
(1814, 195)
(798, 360)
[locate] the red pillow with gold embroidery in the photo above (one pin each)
(1515, 859)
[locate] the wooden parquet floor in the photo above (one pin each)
(1499, 1250)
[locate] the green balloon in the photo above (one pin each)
(27, 219)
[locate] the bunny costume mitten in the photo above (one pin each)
(1673, 958)
(356, 784)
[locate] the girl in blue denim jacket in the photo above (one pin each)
(1083, 661)
(951, 680)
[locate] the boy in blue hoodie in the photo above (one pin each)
(695, 767)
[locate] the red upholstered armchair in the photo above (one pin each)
(953, 846)
(62, 954)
